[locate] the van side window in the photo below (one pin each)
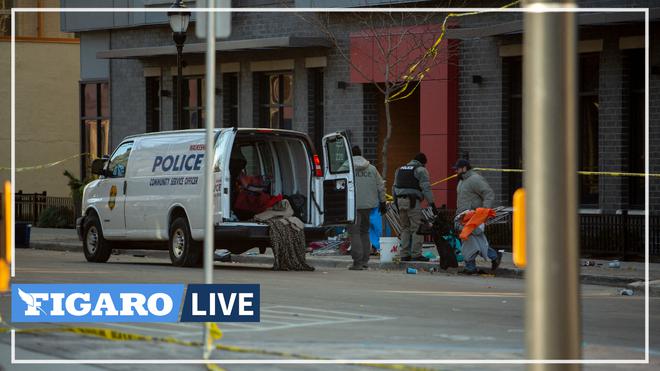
(119, 161)
(337, 156)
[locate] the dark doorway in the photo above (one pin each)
(404, 142)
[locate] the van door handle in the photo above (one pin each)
(124, 188)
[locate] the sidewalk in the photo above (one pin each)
(630, 274)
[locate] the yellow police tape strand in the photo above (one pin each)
(431, 53)
(593, 173)
(44, 166)
(114, 335)
(605, 173)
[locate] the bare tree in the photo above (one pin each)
(395, 38)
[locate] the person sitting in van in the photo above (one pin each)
(253, 196)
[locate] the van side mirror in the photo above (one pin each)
(98, 166)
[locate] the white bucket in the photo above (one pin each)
(389, 248)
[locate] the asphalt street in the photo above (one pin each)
(333, 313)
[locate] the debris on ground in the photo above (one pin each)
(328, 247)
(626, 292)
(614, 264)
(222, 255)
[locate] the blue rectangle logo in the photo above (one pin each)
(221, 303)
(96, 302)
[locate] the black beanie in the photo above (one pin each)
(421, 158)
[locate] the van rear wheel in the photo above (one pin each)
(95, 247)
(184, 252)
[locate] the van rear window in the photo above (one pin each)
(337, 156)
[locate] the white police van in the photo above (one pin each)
(149, 194)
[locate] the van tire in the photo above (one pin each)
(95, 247)
(184, 252)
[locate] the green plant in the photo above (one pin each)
(77, 187)
(55, 217)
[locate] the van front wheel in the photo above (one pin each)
(95, 247)
(184, 252)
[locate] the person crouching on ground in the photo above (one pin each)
(369, 193)
(474, 240)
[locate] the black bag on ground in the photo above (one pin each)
(442, 227)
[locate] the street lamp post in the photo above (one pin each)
(179, 20)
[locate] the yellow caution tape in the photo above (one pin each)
(44, 166)
(114, 335)
(432, 53)
(216, 334)
(603, 173)
(214, 367)
(444, 180)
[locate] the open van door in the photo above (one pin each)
(338, 181)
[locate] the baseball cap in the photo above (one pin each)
(461, 163)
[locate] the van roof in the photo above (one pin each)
(218, 130)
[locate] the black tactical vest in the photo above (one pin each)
(405, 178)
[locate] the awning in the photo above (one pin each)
(516, 27)
(272, 43)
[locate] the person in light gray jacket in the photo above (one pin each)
(369, 193)
(472, 191)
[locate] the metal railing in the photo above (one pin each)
(30, 206)
(601, 235)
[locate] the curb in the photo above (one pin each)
(620, 282)
(638, 288)
(590, 279)
(56, 246)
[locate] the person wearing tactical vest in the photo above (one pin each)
(411, 186)
(369, 194)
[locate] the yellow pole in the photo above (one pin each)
(519, 246)
(5, 262)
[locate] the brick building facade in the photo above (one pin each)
(318, 94)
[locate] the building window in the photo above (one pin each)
(315, 99)
(513, 71)
(193, 103)
(587, 125)
(153, 104)
(230, 94)
(588, 128)
(94, 123)
(276, 101)
(33, 26)
(636, 128)
(5, 17)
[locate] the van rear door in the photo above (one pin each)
(338, 181)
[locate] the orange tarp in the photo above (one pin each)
(473, 219)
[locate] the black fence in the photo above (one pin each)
(30, 206)
(601, 235)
